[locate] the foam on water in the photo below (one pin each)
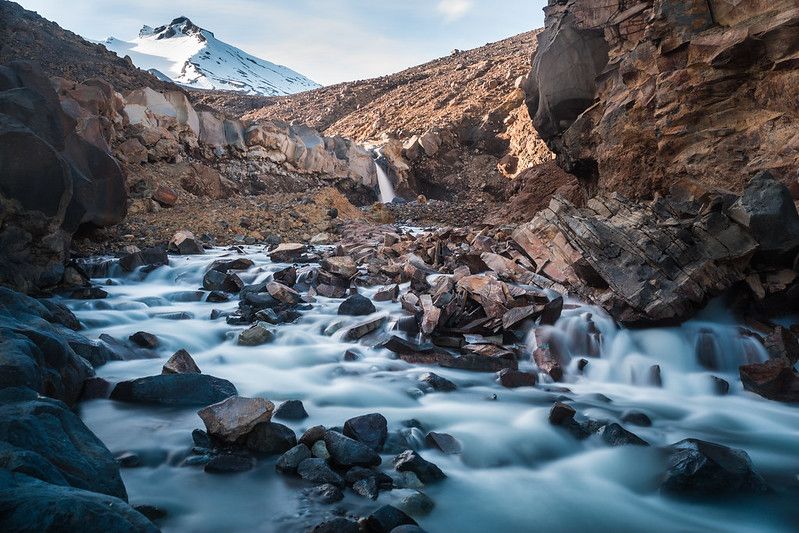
(516, 472)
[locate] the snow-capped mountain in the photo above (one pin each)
(192, 56)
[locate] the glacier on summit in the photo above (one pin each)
(191, 56)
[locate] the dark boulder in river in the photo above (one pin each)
(175, 389)
(42, 438)
(699, 468)
(28, 504)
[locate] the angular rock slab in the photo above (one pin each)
(235, 417)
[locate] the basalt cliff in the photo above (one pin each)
(638, 96)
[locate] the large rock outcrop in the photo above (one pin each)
(52, 182)
(659, 261)
(636, 95)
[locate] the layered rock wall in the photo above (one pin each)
(636, 95)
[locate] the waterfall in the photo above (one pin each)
(386, 189)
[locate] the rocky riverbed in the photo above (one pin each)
(240, 390)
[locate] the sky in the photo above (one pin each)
(329, 41)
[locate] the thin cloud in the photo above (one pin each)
(454, 9)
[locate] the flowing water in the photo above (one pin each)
(384, 183)
(516, 472)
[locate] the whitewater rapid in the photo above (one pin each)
(516, 472)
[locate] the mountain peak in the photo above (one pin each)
(192, 56)
(179, 27)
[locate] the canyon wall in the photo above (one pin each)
(636, 96)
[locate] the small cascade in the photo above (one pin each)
(668, 357)
(387, 193)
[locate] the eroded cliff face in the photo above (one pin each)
(634, 96)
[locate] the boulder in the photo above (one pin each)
(285, 294)
(271, 438)
(228, 464)
(371, 429)
(775, 379)
(444, 442)
(63, 182)
(410, 461)
(513, 379)
(27, 504)
(343, 266)
(175, 389)
(615, 435)
(256, 335)
(678, 255)
(234, 417)
(150, 258)
(288, 252)
(696, 468)
(387, 519)
(216, 280)
(42, 438)
(437, 383)
(185, 243)
(165, 196)
(291, 410)
(181, 362)
(290, 461)
(357, 305)
(145, 340)
(347, 452)
(360, 330)
(316, 471)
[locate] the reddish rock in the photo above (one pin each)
(775, 379)
(513, 379)
(165, 196)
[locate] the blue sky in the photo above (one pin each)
(328, 40)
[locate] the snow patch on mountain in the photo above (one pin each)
(192, 56)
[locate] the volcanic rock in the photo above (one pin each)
(181, 363)
(175, 389)
(271, 438)
(291, 410)
(699, 468)
(185, 243)
(347, 452)
(371, 429)
(410, 461)
(356, 305)
(235, 417)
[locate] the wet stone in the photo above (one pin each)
(229, 464)
(356, 305)
(312, 435)
(271, 438)
(444, 442)
(514, 379)
(235, 417)
(560, 413)
(417, 504)
(410, 461)
(636, 418)
(615, 435)
(337, 525)
(256, 336)
(316, 470)
(348, 452)
(289, 461)
(181, 363)
(437, 383)
(697, 468)
(371, 429)
(145, 340)
(386, 519)
(291, 410)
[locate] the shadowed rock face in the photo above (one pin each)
(53, 181)
(634, 96)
